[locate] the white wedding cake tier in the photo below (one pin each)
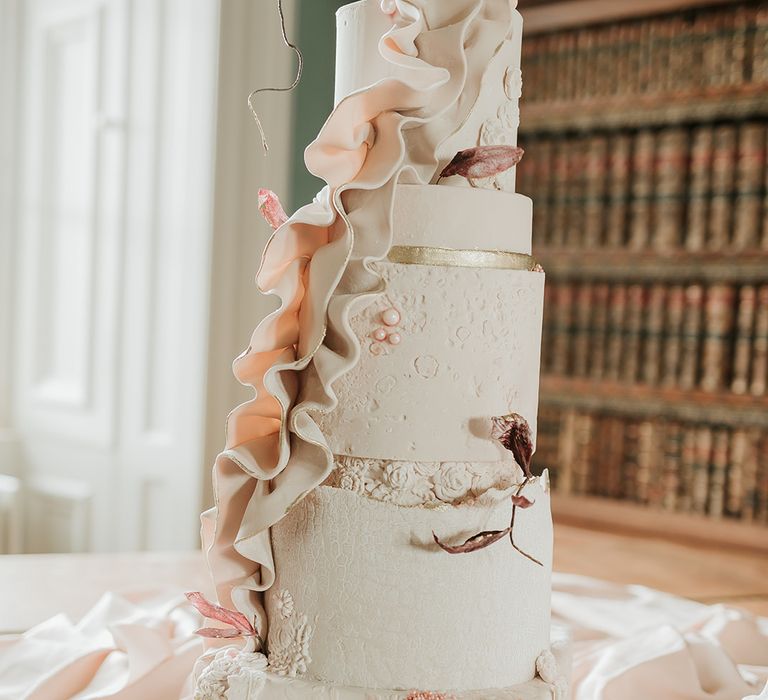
(377, 527)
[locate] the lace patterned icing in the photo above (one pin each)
(464, 357)
(230, 667)
(289, 636)
(421, 483)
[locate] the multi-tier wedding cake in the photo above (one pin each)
(377, 531)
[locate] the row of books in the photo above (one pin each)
(692, 188)
(691, 468)
(703, 49)
(691, 336)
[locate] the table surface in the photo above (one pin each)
(36, 587)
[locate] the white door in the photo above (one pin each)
(117, 138)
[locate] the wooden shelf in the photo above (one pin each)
(678, 265)
(620, 516)
(721, 408)
(542, 16)
(637, 111)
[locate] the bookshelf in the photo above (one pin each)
(744, 266)
(717, 408)
(646, 136)
(649, 111)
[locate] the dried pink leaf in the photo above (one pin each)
(522, 501)
(514, 433)
(483, 161)
(216, 612)
(271, 209)
(221, 633)
(474, 543)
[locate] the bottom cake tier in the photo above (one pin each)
(229, 674)
(364, 597)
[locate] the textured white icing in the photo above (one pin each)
(453, 217)
(469, 350)
(424, 483)
(392, 610)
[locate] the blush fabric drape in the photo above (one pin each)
(630, 643)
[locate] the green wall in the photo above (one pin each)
(314, 95)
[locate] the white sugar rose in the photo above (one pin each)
(452, 481)
(398, 475)
(228, 663)
(351, 481)
(351, 475)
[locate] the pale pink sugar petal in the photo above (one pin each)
(474, 543)
(483, 161)
(271, 209)
(216, 612)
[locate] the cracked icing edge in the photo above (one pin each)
(369, 574)
(415, 483)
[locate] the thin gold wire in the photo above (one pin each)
(296, 81)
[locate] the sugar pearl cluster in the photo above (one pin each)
(390, 318)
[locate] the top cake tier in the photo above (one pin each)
(490, 57)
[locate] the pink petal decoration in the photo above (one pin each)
(216, 612)
(483, 161)
(474, 543)
(271, 209)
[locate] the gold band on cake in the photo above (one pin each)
(451, 257)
